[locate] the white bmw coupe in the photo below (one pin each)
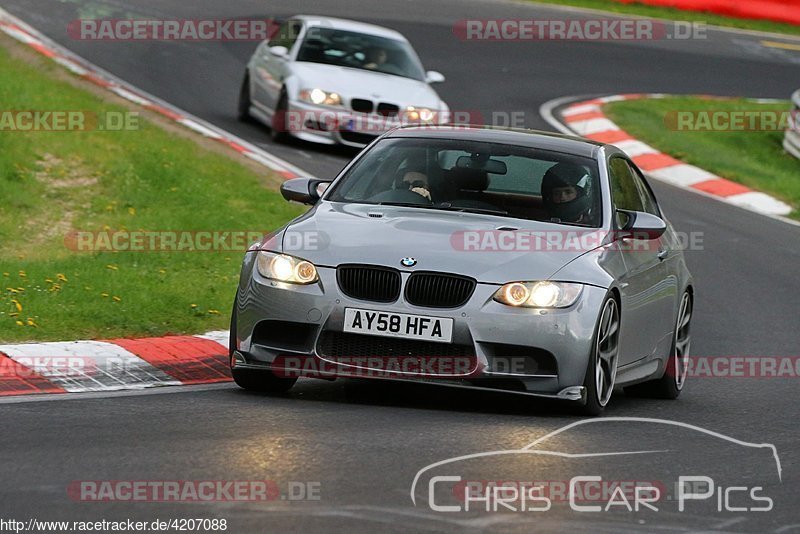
(336, 81)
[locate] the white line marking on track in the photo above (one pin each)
(22, 399)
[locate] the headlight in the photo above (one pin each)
(419, 114)
(286, 268)
(320, 97)
(539, 294)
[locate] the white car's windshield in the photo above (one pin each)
(360, 51)
(471, 176)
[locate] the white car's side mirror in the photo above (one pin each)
(279, 51)
(433, 76)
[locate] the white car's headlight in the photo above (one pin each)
(539, 294)
(320, 97)
(286, 268)
(419, 114)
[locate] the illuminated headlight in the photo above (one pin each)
(419, 114)
(539, 294)
(320, 97)
(286, 268)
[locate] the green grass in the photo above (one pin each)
(52, 183)
(678, 14)
(753, 158)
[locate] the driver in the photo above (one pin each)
(376, 57)
(565, 193)
(415, 179)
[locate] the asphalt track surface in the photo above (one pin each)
(364, 443)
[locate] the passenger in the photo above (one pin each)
(565, 193)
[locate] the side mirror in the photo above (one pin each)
(640, 225)
(433, 76)
(279, 51)
(304, 190)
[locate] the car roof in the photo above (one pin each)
(350, 26)
(508, 136)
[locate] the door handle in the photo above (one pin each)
(662, 254)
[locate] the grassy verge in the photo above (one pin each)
(753, 158)
(153, 179)
(678, 14)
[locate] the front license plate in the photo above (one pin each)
(398, 325)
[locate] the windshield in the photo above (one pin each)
(456, 175)
(360, 51)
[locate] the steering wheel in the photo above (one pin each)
(400, 195)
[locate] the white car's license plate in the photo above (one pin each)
(398, 325)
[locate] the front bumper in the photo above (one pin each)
(327, 125)
(539, 352)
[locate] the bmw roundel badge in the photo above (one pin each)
(408, 262)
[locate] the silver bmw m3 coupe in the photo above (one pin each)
(474, 257)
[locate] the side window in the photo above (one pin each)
(624, 190)
(648, 199)
(286, 35)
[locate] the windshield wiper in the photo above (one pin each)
(445, 206)
(406, 205)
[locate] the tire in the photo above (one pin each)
(277, 131)
(243, 108)
(671, 383)
(605, 355)
(254, 380)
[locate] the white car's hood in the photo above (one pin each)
(358, 83)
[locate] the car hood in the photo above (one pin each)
(358, 83)
(335, 233)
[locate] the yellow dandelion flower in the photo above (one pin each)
(103, 295)
(132, 210)
(116, 299)
(17, 305)
(213, 312)
(22, 274)
(20, 323)
(48, 280)
(112, 267)
(194, 305)
(32, 323)
(60, 277)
